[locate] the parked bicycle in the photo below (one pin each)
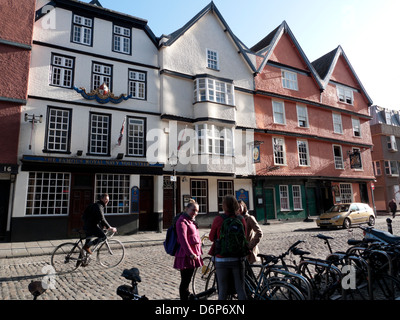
(67, 257)
(131, 292)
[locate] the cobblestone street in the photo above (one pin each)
(159, 279)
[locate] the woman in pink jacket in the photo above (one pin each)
(188, 256)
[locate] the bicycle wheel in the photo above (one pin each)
(200, 275)
(67, 257)
(211, 285)
(386, 287)
(279, 290)
(111, 253)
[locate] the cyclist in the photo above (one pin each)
(94, 222)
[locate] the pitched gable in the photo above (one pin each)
(336, 66)
(169, 40)
(281, 46)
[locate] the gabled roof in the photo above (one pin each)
(95, 8)
(326, 64)
(211, 7)
(266, 46)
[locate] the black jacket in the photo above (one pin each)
(94, 216)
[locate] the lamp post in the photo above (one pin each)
(173, 161)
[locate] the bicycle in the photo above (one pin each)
(69, 256)
(260, 287)
(131, 292)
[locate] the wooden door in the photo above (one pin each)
(80, 199)
(147, 217)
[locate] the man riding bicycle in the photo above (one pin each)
(94, 222)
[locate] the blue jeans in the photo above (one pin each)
(230, 270)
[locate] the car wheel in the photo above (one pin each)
(346, 223)
(371, 221)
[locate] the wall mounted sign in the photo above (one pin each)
(355, 160)
(78, 161)
(102, 95)
(135, 192)
(256, 153)
(243, 195)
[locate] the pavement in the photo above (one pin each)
(141, 239)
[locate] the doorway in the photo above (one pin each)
(81, 197)
(147, 217)
(4, 201)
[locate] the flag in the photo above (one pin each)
(121, 133)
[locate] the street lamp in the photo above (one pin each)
(173, 161)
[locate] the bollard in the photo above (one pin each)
(389, 225)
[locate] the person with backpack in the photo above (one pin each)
(253, 233)
(188, 255)
(228, 234)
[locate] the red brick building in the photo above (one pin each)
(312, 119)
(15, 51)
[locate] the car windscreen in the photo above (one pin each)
(339, 208)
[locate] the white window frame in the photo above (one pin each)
(136, 140)
(118, 188)
(137, 83)
(356, 127)
(224, 187)
(121, 39)
(99, 137)
(377, 168)
(58, 130)
(289, 80)
(339, 164)
(391, 143)
(284, 197)
(199, 192)
(212, 139)
(48, 194)
(296, 192)
(346, 192)
(82, 30)
(278, 109)
(279, 150)
(345, 94)
(337, 123)
(62, 71)
(391, 168)
(207, 89)
(388, 117)
(359, 151)
(302, 116)
(101, 73)
(212, 59)
(304, 155)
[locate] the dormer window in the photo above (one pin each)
(289, 80)
(345, 94)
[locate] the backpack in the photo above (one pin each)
(232, 238)
(171, 244)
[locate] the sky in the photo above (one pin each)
(367, 30)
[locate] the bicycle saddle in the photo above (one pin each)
(323, 237)
(385, 236)
(300, 252)
(132, 274)
(268, 258)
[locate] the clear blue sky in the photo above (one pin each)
(367, 30)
